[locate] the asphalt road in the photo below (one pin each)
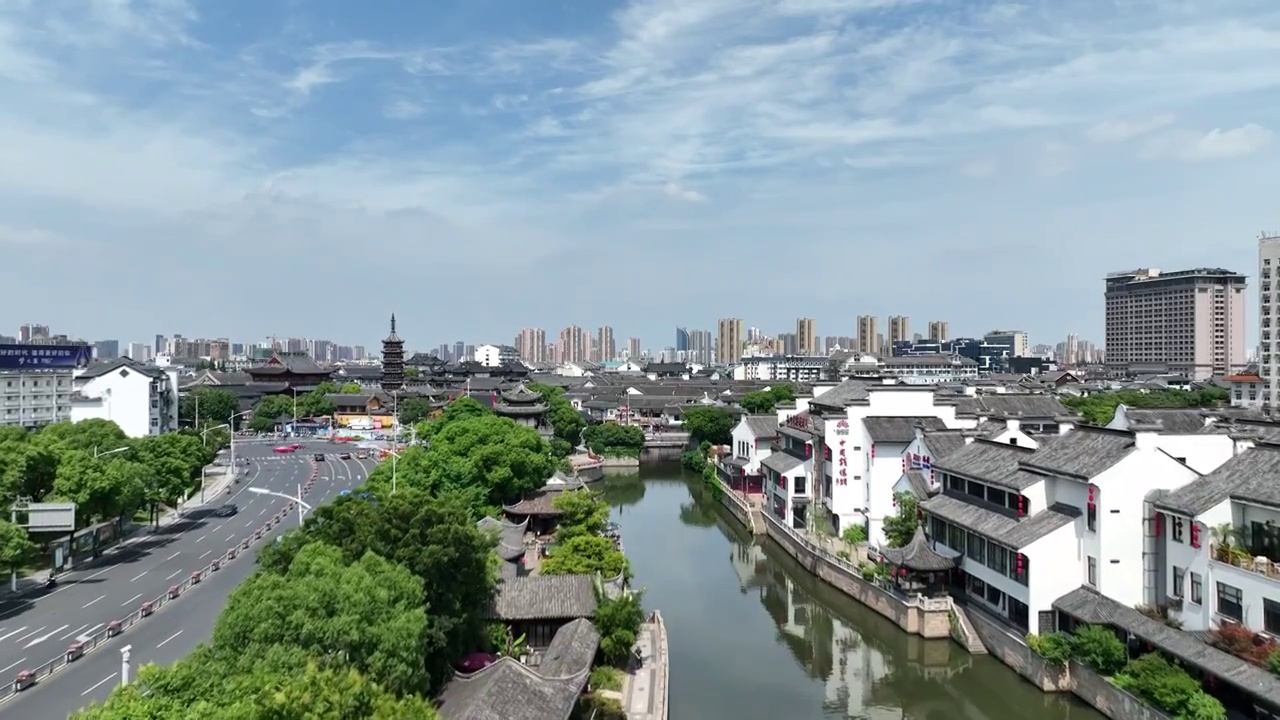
(35, 632)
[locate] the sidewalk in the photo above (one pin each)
(644, 692)
(216, 481)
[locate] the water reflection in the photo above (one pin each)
(755, 636)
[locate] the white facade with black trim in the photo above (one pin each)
(141, 399)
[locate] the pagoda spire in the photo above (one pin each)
(393, 323)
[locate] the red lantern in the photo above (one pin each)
(826, 452)
(808, 450)
(1159, 524)
(1195, 534)
(1020, 567)
(1022, 508)
(873, 451)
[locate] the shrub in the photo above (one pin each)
(1055, 647)
(606, 678)
(605, 708)
(1273, 662)
(1100, 649)
(693, 460)
(1169, 688)
(1243, 643)
(854, 535)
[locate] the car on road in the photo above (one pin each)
(284, 449)
(226, 510)
(344, 456)
(362, 455)
(296, 446)
(319, 457)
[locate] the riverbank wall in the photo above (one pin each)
(613, 463)
(919, 615)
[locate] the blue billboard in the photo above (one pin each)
(44, 357)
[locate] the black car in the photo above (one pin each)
(344, 456)
(226, 510)
(319, 457)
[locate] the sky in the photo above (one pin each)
(255, 168)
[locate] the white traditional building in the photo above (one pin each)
(1035, 524)
(496, 355)
(141, 399)
(1246, 389)
(33, 398)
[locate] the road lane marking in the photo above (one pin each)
(173, 556)
(46, 636)
(230, 538)
(130, 600)
(139, 576)
(175, 574)
(7, 669)
(201, 538)
(86, 605)
(24, 637)
(248, 523)
(103, 570)
(166, 640)
(205, 555)
(11, 634)
(84, 636)
(73, 632)
(98, 684)
(263, 511)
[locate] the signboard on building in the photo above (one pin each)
(44, 357)
(842, 466)
(45, 517)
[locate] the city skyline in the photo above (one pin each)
(574, 156)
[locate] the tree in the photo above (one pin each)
(415, 410)
(585, 555)
(712, 424)
(566, 422)
(492, 459)
(28, 470)
(1100, 408)
(464, 408)
(171, 461)
(582, 513)
(369, 613)
(435, 538)
(101, 488)
(15, 545)
(350, 389)
(269, 409)
(215, 405)
(901, 527)
(84, 436)
(317, 403)
(618, 620)
(612, 439)
(764, 401)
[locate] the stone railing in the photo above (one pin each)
(1235, 558)
(662, 673)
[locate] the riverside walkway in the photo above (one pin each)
(644, 688)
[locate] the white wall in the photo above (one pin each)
(1057, 566)
(1194, 616)
(126, 397)
(1203, 453)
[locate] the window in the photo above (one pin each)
(1092, 578)
(1230, 603)
(977, 548)
(1092, 517)
(1178, 529)
(1271, 616)
(1197, 589)
(1178, 581)
(955, 537)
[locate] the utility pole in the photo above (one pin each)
(125, 653)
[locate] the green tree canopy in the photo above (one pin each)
(216, 406)
(618, 620)
(585, 555)
(84, 436)
(1100, 408)
(415, 410)
(350, 389)
(566, 422)
(464, 408)
(171, 461)
(369, 613)
(101, 488)
(899, 528)
(612, 439)
(269, 409)
(582, 513)
(712, 424)
(435, 538)
(15, 545)
(764, 401)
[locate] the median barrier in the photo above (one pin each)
(257, 534)
(233, 552)
(114, 627)
(25, 679)
(175, 591)
(244, 544)
(147, 608)
(75, 651)
(196, 577)
(215, 565)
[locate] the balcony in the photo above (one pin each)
(1239, 557)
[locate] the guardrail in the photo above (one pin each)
(86, 644)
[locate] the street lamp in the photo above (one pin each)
(205, 433)
(97, 454)
(125, 652)
(293, 431)
(231, 423)
(301, 505)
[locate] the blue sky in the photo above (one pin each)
(305, 168)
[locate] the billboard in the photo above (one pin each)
(45, 517)
(44, 357)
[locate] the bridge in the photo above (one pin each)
(654, 440)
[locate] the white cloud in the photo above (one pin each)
(1217, 144)
(1119, 130)
(403, 110)
(679, 192)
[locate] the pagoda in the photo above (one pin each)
(523, 405)
(392, 360)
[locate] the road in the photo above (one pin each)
(36, 632)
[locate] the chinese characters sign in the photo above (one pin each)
(43, 357)
(842, 428)
(842, 466)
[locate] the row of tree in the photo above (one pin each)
(1100, 408)
(210, 406)
(363, 611)
(93, 464)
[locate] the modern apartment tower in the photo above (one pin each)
(899, 329)
(868, 335)
(1269, 319)
(1189, 321)
(729, 340)
(939, 331)
(806, 337)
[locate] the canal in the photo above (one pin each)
(752, 635)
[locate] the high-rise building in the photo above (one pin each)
(1017, 341)
(605, 346)
(701, 347)
(682, 340)
(1190, 321)
(139, 352)
(939, 331)
(531, 343)
(806, 337)
(33, 333)
(1268, 320)
(574, 345)
(899, 329)
(106, 350)
(868, 335)
(633, 348)
(729, 340)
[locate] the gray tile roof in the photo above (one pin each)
(1091, 607)
(919, 484)
(781, 462)
(545, 597)
(761, 426)
(1184, 421)
(507, 690)
(508, 536)
(1005, 530)
(899, 429)
(1249, 476)
(1082, 454)
(1014, 405)
(794, 432)
(943, 443)
(841, 396)
(572, 650)
(990, 462)
(918, 556)
(121, 363)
